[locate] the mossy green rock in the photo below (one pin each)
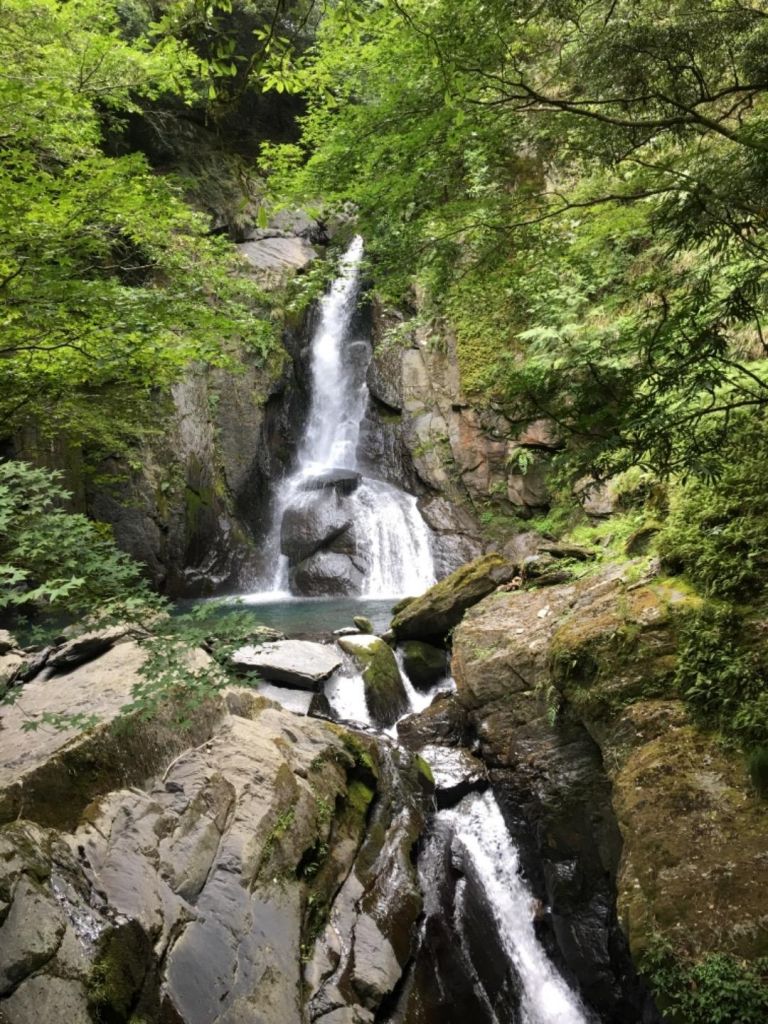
(532, 666)
(385, 695)
(424, 664)
(363, 624)
(432, 616)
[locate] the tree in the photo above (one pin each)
(579, 188)
(110, 283)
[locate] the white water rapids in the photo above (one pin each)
(392, 540)
(479, 828)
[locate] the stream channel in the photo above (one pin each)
(343, 544)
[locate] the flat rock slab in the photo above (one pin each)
(301, 664)
(278, 255)
(49, 775)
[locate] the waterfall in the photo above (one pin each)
(480, 843)
(348, 534)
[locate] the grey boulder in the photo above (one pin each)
(301, 664)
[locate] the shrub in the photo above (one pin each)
(56, 561)
(717, 532)
(718, 989)
(722, 673)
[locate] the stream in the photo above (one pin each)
(344, 544)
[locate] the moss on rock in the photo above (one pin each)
(385, 695)
(432, 616)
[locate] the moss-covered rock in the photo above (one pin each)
(424, 664)
(535, 669)
(385, 695)
(693, 867)
(432, 616)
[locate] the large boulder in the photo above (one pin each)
(300, 664)
(571, 691)
(385, 695)
(312, 522)
(327, 574)
(193, 900)
(432, 616)
(51, 773)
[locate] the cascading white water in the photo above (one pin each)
(479, 829)
(392, 539)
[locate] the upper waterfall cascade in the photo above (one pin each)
(337, 530)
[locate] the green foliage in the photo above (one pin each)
(717, 989)
(722, 673)
(579, 188)
(110, 285)
(717, 532)
(54, 561)
(757, 764)
(170, 670)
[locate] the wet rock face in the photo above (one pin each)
(606, 786)
(549, 782)
(424, 664)
(385, 695)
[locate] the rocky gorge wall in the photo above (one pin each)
(640, 829)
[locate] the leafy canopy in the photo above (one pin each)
(109, 284)
(581, 189)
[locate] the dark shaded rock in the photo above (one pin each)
(311, 525)
(33, 663)
(326, 574)
(432, 616)
(7, 641)
(385, 695)
(560, 550)
(320, 707)
(444, 722)
(424, 664)
(300, 664)
(343, 481)
(363, 624)
(461, 973)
